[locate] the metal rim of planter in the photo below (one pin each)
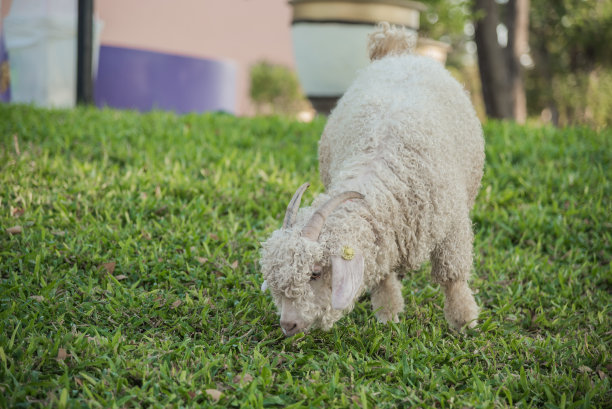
(400, 12)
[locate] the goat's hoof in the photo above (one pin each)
(462, 319)
(384, 318)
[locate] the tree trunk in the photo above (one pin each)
(494, 71)
(501, 72)
(517, 22)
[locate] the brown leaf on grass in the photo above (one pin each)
(61, 354)
(16, 144)
(176, 304)
(161, 211)
(214, 394)
(38, 298)
(584, 369)
(202, 260)
(601, 374)
(18, 211)
(121, 277)
(246, 378)
(234, 265)
(192, 394)
(14, 230)
(78, 381)
(109, 267)
(213, 236)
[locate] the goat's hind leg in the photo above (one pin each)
(451, 266)
(387, 299)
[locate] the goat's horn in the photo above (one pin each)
(294, 206)
(315, 224)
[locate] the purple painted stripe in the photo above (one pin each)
(5, 86)
(145, 80)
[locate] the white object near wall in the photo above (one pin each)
(41, 39)
(330, 41)
(328, 55)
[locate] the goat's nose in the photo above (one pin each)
(289, 327)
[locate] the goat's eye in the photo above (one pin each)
(315, 275)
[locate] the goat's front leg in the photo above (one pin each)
(387, 300)
(451, 266)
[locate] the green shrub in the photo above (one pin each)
(275, 89)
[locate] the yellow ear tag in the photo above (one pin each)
(348, 253)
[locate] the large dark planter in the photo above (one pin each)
(330, 41)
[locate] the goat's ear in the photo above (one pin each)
(347, 278)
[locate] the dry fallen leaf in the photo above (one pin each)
(234, 265)
(121, 277)
(16, 143)
(38, 298)
(109, 267)
(202, 260)
(14, 230)
(192, 394)
(176, 303)
(214, 394)
(62, 354)
(584, 369)
(18, 211)
(246, 378)
(161, 211)
(213, 236)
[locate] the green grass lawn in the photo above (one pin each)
(133, 279)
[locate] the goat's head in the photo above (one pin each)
(310, 285)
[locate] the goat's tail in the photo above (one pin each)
(390, 40)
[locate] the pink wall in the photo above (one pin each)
(244, 31)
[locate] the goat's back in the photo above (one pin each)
(404, 115)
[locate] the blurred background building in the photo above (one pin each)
(524, 60)
(226, 37)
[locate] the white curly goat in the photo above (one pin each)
(401, 158)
